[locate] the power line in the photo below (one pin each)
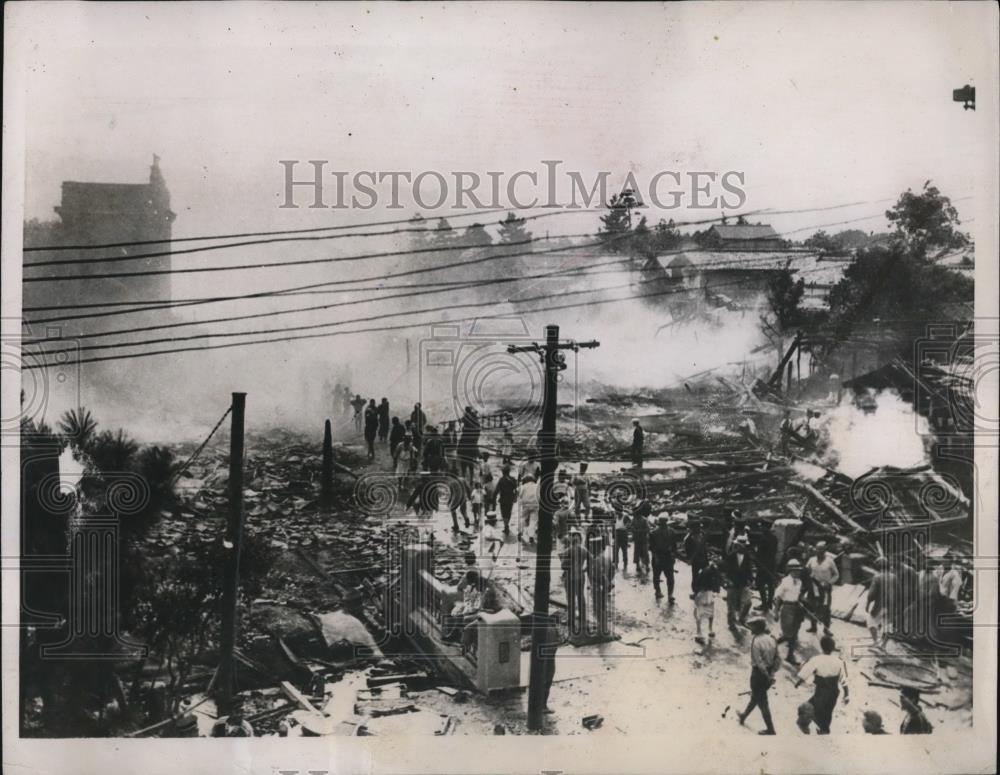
(314, 308)
(450, 286)
(118, 345)
(257, 233)
(431, 231)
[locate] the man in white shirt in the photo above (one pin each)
(822, 569)
(527, 499)
(788, 608)
(829, 673)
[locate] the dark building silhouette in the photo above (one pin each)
(101, 214)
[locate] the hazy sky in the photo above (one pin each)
(817, 104)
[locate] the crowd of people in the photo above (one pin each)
(591, 544)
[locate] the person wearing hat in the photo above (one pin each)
(622, 523)
(468, 442)
(637, 443)
(663, 545)
(581, 493)
(601, 574)
(640, 538)
(764, 663)
(829, 673)
(695, 551)
(871, 722)
(915, 722)
(822, 570)
(575, 560)
(881, 602)
(405, 456)
(789, 608)
(418, 418)
(738, 569)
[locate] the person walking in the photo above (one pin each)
(738, 568)
(396, 434)
(506, 496)
(477, 498)
(766, 559)
(468, 442)
(527, 498)
(638, 439)
(383, 420)
(458, 498)
(695, 551)
(507, 447)
(663, 545)
(788, 607)
(829, 673)
(433, 450)
(764, 663)
(419, 420)
(371, 427)
(358, 405)
(823, 573)
(601, 573)
(405, 456)
(640, 538)
(881, 602)
(706, 586)
(450, 439)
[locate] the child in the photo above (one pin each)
(478, 499)
(706, 587)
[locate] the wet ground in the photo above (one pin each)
(653, 678)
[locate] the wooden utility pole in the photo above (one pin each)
(326, 476)
(553, 361)
(234, 542)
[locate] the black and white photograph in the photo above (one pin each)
(500, 387)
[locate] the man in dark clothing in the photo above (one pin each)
(640, 538)
(383, 420)
(767, 564)
(637, 442)
(450, 439)
(433, 457)
(738, 568)
(506, 495)
(419, 420)
(575, 561)
(468, 443)
(663, 544)
(696, 552)
(396, 434)
(458, 497)
(371, 427)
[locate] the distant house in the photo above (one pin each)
(745, 237)
(742, 277)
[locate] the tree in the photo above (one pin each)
(417, 228)
(79, 427)
(666, 236)
(476, 236)
(927, 219)
(443, 235)
(513, 232)
(784, 295)
(824, 243)
(617, 223)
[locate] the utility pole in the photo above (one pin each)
(553, 361)
(234, 542)
(326, 476)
